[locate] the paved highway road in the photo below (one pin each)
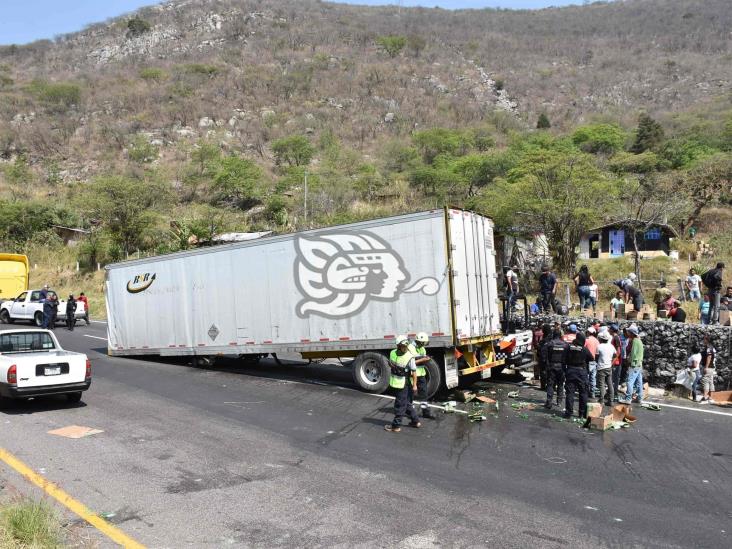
(294, 455)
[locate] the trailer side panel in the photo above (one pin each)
(352, 286)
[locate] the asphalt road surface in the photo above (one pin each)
(295, 456)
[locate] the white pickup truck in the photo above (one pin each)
(28, 306)
(32, 364)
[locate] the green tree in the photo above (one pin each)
(294, 150)
(441, 181)
(205, 157)
(23, 222)
(648, 135)
(599, 138)
(552, 191)
(142, 151)
(236, 182)
(369, 182)
(391, 44)
(543, 122)
(126, 208)
(137, 26)
(19, 178)
(436, 141)
(276, 210)
(643, 163)
(684, 152)
(705, 184)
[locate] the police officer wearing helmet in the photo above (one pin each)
(403, 380)
(576, 376)
(556, 358)
(419, 350)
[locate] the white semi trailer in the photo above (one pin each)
(343, 291)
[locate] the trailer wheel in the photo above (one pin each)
(371, 372)
(434, 377)
(203, 361)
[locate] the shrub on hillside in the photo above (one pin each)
(137, 26)
(391, 44)
(599, 138)
(56, 96)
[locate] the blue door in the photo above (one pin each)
(617, 243)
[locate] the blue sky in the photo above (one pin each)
(23, 21)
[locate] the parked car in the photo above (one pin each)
(33, 363)
(28, 306)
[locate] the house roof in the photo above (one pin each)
(664, 226)
(72, 229)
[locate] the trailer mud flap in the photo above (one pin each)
(451, 369)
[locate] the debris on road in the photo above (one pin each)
(75, 431)
(449, 407)
(513, 394)
(464, 395)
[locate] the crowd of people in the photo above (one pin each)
(50, 302)
(710, 303)
(596, 362)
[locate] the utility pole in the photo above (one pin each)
(305, 216)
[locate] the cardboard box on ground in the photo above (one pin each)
(619, 413)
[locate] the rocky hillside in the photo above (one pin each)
(245, 66)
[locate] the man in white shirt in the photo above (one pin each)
(512, 285)
(692, 285)
(606, 353)
(693, 366)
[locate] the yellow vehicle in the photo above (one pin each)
(14, 270)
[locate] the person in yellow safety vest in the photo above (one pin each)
(403, 380)
(419, 351)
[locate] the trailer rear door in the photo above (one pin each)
(474, 275)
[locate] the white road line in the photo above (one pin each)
(99, 321)
(715, 412)
(96, 337)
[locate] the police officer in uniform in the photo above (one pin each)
(556, 355)
(403, 380)
(419, 351)
(542, 355)
(577, 378)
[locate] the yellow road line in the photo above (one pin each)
(112, 532)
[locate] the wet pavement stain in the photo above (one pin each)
(126, 514)
(544, 536)
(190, 482)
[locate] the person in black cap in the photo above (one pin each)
(556, 356)
(547, 288)
(70, 313)
(577, 379)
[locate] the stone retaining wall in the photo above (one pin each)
(667, 346)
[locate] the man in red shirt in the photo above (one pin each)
(82, 299)
(592, 344)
